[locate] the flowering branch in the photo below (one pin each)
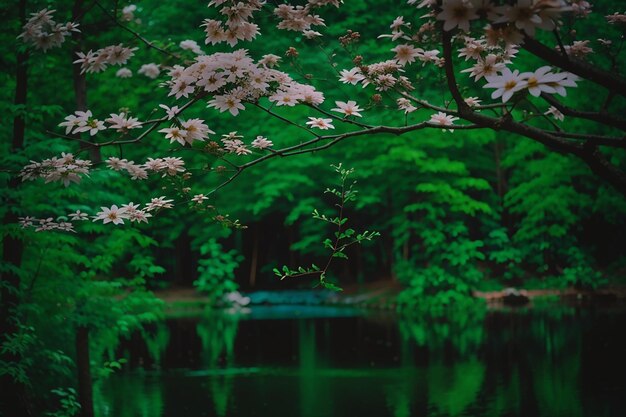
(599, 117)
(136, 34)
(230, 81)
(597, 75)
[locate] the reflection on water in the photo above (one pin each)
(217, 332)
(452, 388)
(302, 362)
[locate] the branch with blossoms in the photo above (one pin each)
(69, 169)
(127, 14)
(510, 27)
(488, 36)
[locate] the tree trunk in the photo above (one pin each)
(14, 402)
(292, 255)
(80, 80)
(255, 256)
(501, 182)
(360, 270)
(183, 262)
(500, 178)
(388, 242)
(85, 389)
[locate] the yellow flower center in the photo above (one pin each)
(509, 85)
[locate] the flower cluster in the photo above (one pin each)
(124, 73)
(403, 30)
(348, 109)
(491, 58)
(383, 75)
(507, 26)
(114, 214)
(233, 143)
(443, 119)
(524, 16)
(42, 32)
(616, 18)
(191, 45)
(484, 66)
(297, 18)
(578, 49)
(83, 121)
(167, 166)
(130, 211)
(66, 169)
(187, 131)
(406, 54)
(507, 82)
(261, 142)
(302, 18)
(49, 223)
(234, 78)
(405, 105)
(150, 70)
(92, 62)
(554, 112)
(237, 26)
(199, 198)
(128, 13)
(320, 123)
(123, 123)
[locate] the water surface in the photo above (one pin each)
(317, 361)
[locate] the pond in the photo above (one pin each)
(324, 361)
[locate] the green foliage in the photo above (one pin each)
(460, 327)
(343, 237)
(581, 274)
(110, 367)
(68, 403)
(434, 288)
(216, 270)
(18, 344)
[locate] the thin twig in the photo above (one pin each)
(136, 34)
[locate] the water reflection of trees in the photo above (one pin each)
(156, 342)
(217, 331)
(452, 388)
(525, 362)
(494, 363)
(129, 396)
(461, 330)
(450, 385)
(534, 362)
(222, 393)
(556, 372)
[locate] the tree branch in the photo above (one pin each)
(599, 117)
(588, 152)
(606, 79)
(136, 34)
(446, 38)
